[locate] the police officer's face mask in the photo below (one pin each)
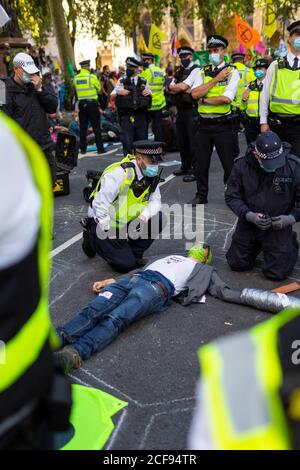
(129, 72)
(146, 65)
(150, 170)
(185, 62)
(215, 58)
(259, 74)
(296, 43)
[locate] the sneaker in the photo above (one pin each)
(86, 245)
(69, 359)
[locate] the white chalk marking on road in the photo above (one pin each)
(229, 233)
(153, 418)
(117, 429)
(77, 237)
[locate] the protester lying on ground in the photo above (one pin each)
(135, 296)
(140, 293)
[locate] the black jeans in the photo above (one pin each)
(89, 112)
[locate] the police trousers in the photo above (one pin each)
(124, 252)
(186, 128)
(133, 128)
(224, 136)
(89, 112)
(279, 249)
(156, 118)
(289, 132)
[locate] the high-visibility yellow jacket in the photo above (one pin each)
(87, 85)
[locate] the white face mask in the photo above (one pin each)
(215, 58)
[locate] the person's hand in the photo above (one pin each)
(246, 94)
(36, 81)
(223, 74)
(98, 285)
(123, 92)
(283, 221)
(145, 92)
(264, 128)
(263, 222)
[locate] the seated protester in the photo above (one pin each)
(134, 296)
(263, 191)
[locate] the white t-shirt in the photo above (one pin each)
(175, 268)
(19, 202)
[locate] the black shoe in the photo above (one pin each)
(101, 151)
(83, 152)
(181, 172)
(189, 179)
(86, 245)
(142, 262)
(198, 200)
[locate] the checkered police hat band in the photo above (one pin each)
(157, 151)
(216, 42)
(270, 155)
(23, 64)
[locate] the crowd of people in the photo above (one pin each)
(261, 186)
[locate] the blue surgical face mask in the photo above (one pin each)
(259, 74)
(185, 62)
(151, 171)
(25, 78)
(129, 72)
(146, 65)
(215, 58)
(296, 43)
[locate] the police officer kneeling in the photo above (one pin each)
(264, 192)
(121, 223)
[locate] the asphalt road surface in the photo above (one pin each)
(153, 365)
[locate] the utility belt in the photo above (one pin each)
(278, 120)
(228, 119)
(253, 121)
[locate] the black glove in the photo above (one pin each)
(283, 221)
(263, 222)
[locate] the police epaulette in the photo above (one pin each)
(127, 165)
(282, 63)
(239, 158)
(293, 157)
(207, 69)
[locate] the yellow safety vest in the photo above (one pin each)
(87, 85)
(156, 79)
(217, 90)
(284, 90)
(241, 378)
(246, 76)
(22, 351)
(126, 206)
(251, 106)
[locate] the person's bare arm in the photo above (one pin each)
(178, 87)
(98, 285)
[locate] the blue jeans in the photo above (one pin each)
(117, 306)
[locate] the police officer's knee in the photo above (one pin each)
(123, 267)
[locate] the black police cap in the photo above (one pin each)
(215, 40)
(133, 62)
(271, 150)
(261, 63)
(185, 50)
(85, 63)
(237, 55)
(150, 148)
(294, 27)
(148, 55)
